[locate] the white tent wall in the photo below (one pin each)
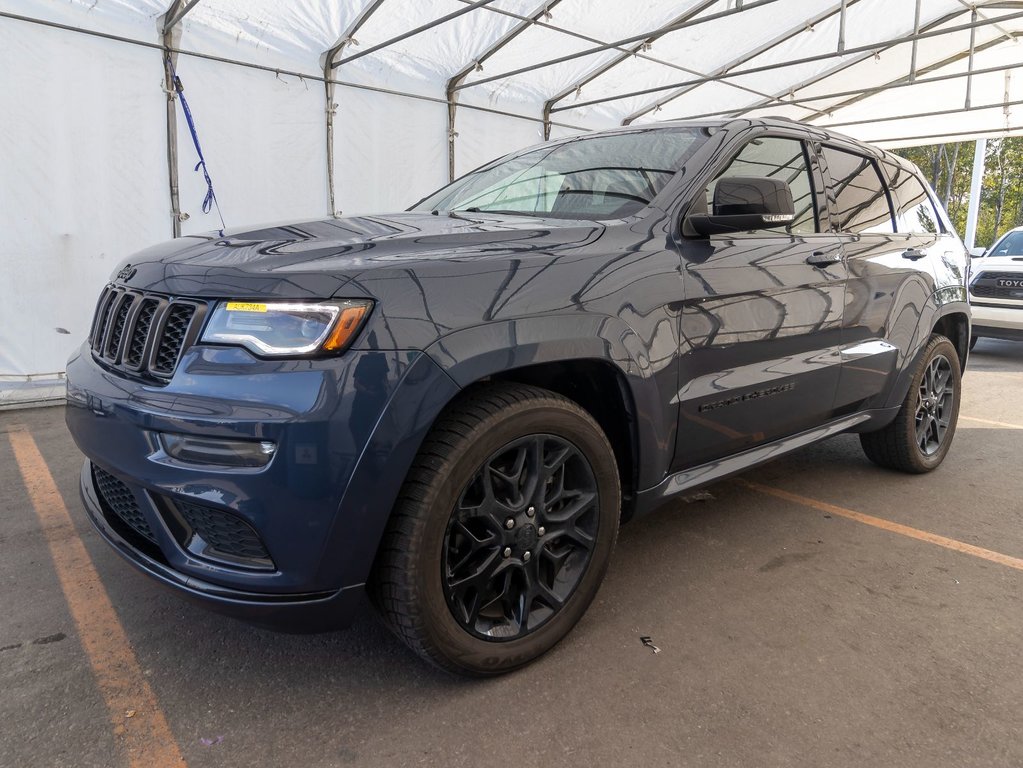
(263, 139)
(84, 183)
(389, 151)
(83, 119)
(482, 136)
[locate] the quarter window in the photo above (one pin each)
(777, 158)
(860, 201)
(915, 212)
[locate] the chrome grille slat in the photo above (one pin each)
(144, 334)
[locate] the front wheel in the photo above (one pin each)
(921, 434)
(502, 533)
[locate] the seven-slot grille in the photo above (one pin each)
(986, 285)
(143, 333)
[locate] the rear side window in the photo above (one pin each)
(861, 203)
(915, 213)
(777, 158)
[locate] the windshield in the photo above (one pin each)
(594, 177)
(1010, 245)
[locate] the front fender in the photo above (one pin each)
(473, 354)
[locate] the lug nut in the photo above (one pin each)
(531, 511)
(509, 523)
(541, 531)
(507, 551)
(526, 556)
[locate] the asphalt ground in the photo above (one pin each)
(818, 611)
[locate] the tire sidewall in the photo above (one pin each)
(475, 655)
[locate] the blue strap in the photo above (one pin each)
(210, 201)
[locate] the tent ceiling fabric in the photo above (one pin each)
(293, 36)
(85, 113)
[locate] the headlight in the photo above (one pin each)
(287, 327)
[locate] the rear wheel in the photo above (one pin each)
(920, 436)
(502, 533)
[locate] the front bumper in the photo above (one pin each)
(346, 431)
(310, 612)
(1002, 322)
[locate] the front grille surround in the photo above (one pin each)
(144, 334)
(985, 286)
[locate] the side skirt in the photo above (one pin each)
(673, 485)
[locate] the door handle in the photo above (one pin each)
(913, 254)
(822, 259)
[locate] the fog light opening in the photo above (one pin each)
(211, 451)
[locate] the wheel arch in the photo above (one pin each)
(954, 324)
(598, 362)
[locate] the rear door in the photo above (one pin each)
(760, 324)
(889, 279)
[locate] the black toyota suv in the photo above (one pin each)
(454, 407)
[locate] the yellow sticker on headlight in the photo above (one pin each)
(244, 306)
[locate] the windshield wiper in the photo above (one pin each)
(477, 209)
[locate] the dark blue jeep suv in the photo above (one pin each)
(453, 408)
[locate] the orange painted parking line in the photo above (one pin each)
(134, 711)
(888, 525)
(1004, 424)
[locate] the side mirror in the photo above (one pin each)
(742, 203)
(976, 253)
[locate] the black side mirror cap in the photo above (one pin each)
(743, 203)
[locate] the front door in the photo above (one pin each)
(762, 318)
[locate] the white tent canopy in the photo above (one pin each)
(308, 107)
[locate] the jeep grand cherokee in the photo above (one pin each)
(454, 407)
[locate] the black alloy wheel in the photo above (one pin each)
(502, 532)
(920, 435)
(520, 537)
(935, 405)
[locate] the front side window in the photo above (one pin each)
(914, 212)
(860, 201)
(777, 158)
(597, 177)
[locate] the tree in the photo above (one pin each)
(949, 168)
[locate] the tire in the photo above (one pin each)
(973, 342)
(918, 445)
(449, 524)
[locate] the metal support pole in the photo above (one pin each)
(171, 33)
(476, 65)
(329, 80)
(916, 31)
(413, 32)
(841, 25)
(976, 183)
(973, 50)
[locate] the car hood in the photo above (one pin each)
(990, 263)
(318, 258)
